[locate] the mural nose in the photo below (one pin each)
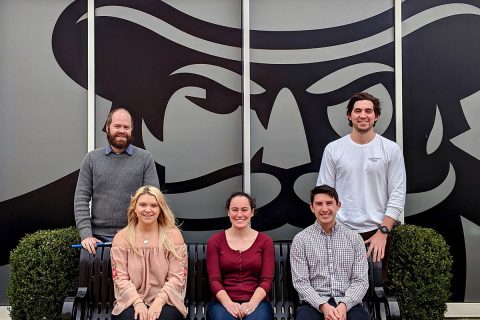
(284, 141)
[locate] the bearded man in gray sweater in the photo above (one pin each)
(108, 177)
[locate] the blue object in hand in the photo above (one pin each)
(99, 244)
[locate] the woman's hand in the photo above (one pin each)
(155, 309)
(233, 308)
(141, 310)
(247, 308)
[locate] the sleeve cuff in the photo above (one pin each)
(216, 288)
(163, 297)
(346, 301)
(393, 213)
(266, 287)
(319, 301)
(85, 233)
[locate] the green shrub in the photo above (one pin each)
(43, 271)
(419, 272)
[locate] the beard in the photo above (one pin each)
(363, 129)
(114, 140)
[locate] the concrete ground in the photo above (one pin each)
(453, 313)
(4, 313)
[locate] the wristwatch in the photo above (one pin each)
(384, 229)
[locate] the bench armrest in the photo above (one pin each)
(384, 305)
(390, 304)
(74, 307)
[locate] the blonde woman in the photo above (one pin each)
(149, 261)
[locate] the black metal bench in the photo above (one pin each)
(94, 298)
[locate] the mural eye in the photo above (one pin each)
(223, 86)
(338, 121)
(345, 76)
(337, 113)
(189, 130)
(217, 101)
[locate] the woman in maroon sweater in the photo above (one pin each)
(240, 265)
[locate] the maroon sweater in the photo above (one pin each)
(240, 273)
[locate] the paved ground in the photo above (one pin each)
(4, 313)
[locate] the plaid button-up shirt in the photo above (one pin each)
(329, 266)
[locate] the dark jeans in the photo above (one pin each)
(168, 313)
(307, 312)
(216, 311)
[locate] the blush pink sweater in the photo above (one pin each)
(154, 274)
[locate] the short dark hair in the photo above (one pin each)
(325, 189)
(363, 96)
(251, 199)
(110, 116)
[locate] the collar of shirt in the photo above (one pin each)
(128, 150)
(319, 228)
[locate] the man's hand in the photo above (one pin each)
(90, 244)
(377, 245)
(330, 312)
(342, 310)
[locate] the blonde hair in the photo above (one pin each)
(166, 220)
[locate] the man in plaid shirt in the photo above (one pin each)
(329, 264)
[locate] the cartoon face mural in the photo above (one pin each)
(190, 87)
(180, 74)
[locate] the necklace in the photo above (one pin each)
(145, 242)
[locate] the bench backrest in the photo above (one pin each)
(198, 290)
(282, 296)
(96, 275)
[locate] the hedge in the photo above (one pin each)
(419, 272)
(43, 271)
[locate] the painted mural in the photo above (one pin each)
(178, 67)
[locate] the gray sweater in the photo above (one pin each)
(109, 181)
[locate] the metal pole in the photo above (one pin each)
(246, 94)
(91, 75)
(398, 80)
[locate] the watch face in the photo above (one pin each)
(384, 229)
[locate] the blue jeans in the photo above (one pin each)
(216, 311)
(307, 312)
